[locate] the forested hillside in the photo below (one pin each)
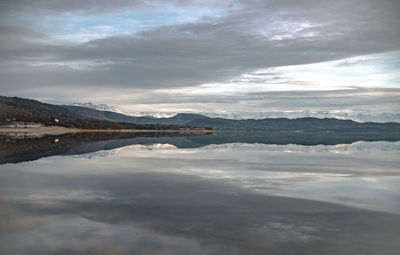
(13, 109)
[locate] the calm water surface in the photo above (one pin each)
(236, 198)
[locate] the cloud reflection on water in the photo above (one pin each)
(218, 199)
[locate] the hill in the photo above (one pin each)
(261, 125)
(19, 109)
(14, 109)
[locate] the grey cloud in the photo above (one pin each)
(49, 7)
(358, 99)
(19, 41)
(361, 62)
(212, 50)
(220, 218)
(19, 32)
(360, 104)
(41, 6)
(290, 98)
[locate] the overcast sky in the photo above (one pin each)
(249, 58)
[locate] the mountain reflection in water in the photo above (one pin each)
(14, 150)
(216, 194)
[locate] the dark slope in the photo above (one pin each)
(26, 110)
(20, 109)
(179, 119)
(89, 113)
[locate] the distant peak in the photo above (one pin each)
(101, 107)
(188, 116)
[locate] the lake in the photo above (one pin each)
(198, 195)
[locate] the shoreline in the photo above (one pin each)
(54, 130)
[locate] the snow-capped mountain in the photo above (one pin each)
(361, 116)
(101, 107)
(353, 115)
(152, 114)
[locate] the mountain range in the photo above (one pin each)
(20, 109)
(14, 109)
(13, 150)
(360, 116)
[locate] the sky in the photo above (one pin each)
(233, 58)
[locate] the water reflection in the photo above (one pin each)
(14, 149)
(162, 196)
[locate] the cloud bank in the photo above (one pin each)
(189, 44)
